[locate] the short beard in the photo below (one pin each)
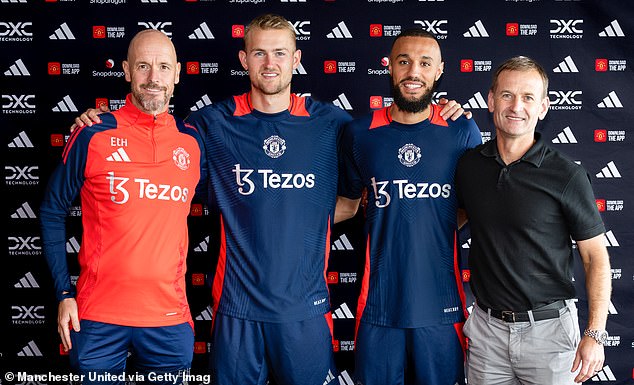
(412, 106)
(151, 105)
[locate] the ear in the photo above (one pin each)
(441, 69)
(177, 76)
(545, 105)
(126, 71)
(242, 55)
(297, 58)
(491, 101)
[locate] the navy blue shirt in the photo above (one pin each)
(408, 170)
(274, 181)
(522, 217)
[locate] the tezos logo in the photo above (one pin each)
(274, 146)
(409, 155)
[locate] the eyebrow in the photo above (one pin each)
(404, 55)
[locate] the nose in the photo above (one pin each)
(153, 74)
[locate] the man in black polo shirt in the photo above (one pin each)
(525, 201)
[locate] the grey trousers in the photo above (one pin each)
(534, 352)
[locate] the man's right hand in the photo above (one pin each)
(67, 318)
(89, 117)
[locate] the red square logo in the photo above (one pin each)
(196, 210)
(601, 65)
(193, 67)
(376, 30)
(330, 66)
(335, 345)
(101, 102)
(512, 29)
(601, 205)
(466, 65)
(54, 68)
(198, 279)
(99, 31)
(376, 102)
(200, 347)
(332, 277)
(50, 1)
(237, 31)
(466, 275)
(600, 136)
(57, 140)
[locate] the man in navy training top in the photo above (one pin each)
(410, 311)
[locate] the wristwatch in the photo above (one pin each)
(598, 335)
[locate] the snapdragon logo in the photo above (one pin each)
(268, 179)
(404, 189)
(146, 190)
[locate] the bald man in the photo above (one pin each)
(135, 173)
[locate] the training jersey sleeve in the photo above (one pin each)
(62, 190)
(350, 182)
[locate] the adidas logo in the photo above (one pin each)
(62, 33)
(467, 244)
(343, 312)
(204, 101)
(343, 378)
(566, 136)
(13, 1)
(202, 32)
(477, 30)
(21, 141)
(340, 32)
(612, 30)
(566, 66)
(342, 243)
(202, 246)
(610, 240)
(612, 309)
(27, 282)
(476, 102)
(300, 70)
(611, 101)
(153, 1)
(604, 375)
(30, 350)
(72, 246)
(205, 315)
(24, 212)
(17, 69)
(65, 105)
(342, 102)
(119, 156)
(609, 171)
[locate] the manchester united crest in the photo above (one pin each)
(274, 146)
(181, 158)
(409, 155)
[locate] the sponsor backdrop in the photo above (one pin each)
(60, 57)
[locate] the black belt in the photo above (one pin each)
(545, 312)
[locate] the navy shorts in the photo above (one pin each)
(249, 352)
(100, 353)
(422, 356)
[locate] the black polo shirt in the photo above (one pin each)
(522, 217)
